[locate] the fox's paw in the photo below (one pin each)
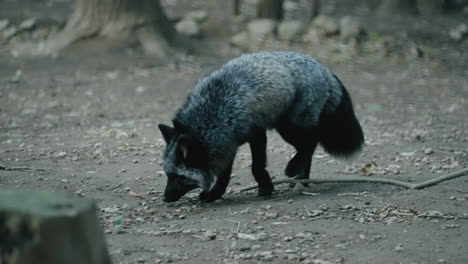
(208, 197)
(265, 190)
(294, 167)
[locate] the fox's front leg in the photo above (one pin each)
(219, 188)
(258, 146)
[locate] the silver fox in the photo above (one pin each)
(287, 91)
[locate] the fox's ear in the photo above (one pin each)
(167, 132)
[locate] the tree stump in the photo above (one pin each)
(142, 20)
(49, 228)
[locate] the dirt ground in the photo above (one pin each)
(86, 123)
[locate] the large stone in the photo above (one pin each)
(261, 29)
(350, 28)
(241, 40)
(4, 24)
(326, 24)
(312, 36)
(198, 16)
(289, 30)
(188, 27)
(459, 32)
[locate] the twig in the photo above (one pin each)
(440, 179)
(335, 180)
(235, 222)
(443, 217)
(118, 185)
(307, 211)
(404, 184)
(323, 217)
(452, 149)
(5, 168)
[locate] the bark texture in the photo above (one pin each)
(270, 9)
(144, 20)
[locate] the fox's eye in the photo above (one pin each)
(184, 150)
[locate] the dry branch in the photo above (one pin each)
(5, 168)
(404, 184)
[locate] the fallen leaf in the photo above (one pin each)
(369, 168)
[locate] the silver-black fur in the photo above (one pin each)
(288, 91)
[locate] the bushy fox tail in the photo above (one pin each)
(340, 133)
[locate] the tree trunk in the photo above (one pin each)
(314, 10)
(118, 19)
(270, 9)
(430, 7)
(48, 228)
(401, 7)
(236, 5)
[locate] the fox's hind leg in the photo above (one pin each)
(305, 141)
(258, 144)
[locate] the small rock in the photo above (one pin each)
(312, 35)
(17, 77)
(140, 89)
(416, 52)
(27, 24)
(80, 193)
(245, 256)
(60, 155)
(459, 32)
(259, 29)
(350, 28)
(209, 235)
(246, 236)
(9, 32)
(4, 24)
(268, 257)
(256, 247)
(188, 27)
(428, 151)
(241, 40)
(198, 16)
(289, 30)
(326, 24)
(245, 248)
(300, 235)
(298, 188)
(399, 248)
(320, 261)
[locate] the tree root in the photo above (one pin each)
(403, 184)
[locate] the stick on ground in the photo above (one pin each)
(403, 184)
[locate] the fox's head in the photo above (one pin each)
(185, 163)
